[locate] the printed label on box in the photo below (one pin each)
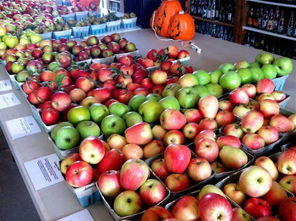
(21, 127)
(44, 171)
(8, 100)
(81, 215)
(5, 85)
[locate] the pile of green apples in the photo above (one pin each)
(231, 76)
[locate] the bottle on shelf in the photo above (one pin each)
(265, 18)
(281, 23)
(215, 30)
(250, 17)
(270, 21)
(260, 17)
(276, 18)
(291, 25)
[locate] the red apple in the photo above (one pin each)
(109, 183)
(276, 194)
(152, 192)
(269, 108)
(253, 141)
(205, 134)
(68, 160)
(234, 193)
(228, 140)
(174, 137)
(289, 183)
(281, 123)
(177, 182)
(258, 208)
(208, 106)
(177, 158)
(50, 116)
(159, 167)
(92, 150)
(207, 149)
(265, 86)
(139, 133)
(156, 213)
(192, 115)
(224, 117)
(233, 130)
(172, 119)
(208, 124)
(113, 160)
(213, 206)
(133, 174)
(79, 174)
(287, 209)
(252, 121)
(225, 105)
(199, 169)
(250, 90)
(239, 96)
(158, 77)
(190, 130)
(186, 208)
(286, 163)
(60, 101)
(269, 134)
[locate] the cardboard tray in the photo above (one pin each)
(136, 216)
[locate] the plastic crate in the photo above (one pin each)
(67, 3)
(59, 2)
(94, 13)
(280, 82)
(47, 35)
(14, 82)
(113, 26)
(107, 60)
(62, 34)
(87, 195)
(68, 17)
(129, 23)
(80, 32)
(98, 29)
(80, 16)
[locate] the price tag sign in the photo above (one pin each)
(22, 127)
(81, 215)
(44, 171)
(5, 85)
(8, 100)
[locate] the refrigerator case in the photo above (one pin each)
(143, 10)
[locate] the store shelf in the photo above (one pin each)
(273, 3)
(269, 33)
(213, 21)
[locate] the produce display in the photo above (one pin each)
(154, 138)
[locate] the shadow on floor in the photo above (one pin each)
(15, 201)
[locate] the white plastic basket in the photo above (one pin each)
(113, 26)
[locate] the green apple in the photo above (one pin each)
(215, 76)
(202, 91)
(127, 203)
(98, 112)
(241, 64)
(54, 131)
(24, 41)
(78, 114)
(170, 89)
(254, 65)
(67, 137)
(230, 80)
(203, 77)
(153, 97)
(188, 80)
(3, 45)
(264, 58)
(113, 124)
(2, 31)
(187, 97)
(284, 66)
(132, 118)
(35, 38)
(151, 111)
(135, 102)
(257, 74)
(11, 41)
(53, 66)
(226, 67)
(118, 108)
(88, 128)
(17, 67)
(170, 102)
(269, 71)
(245, 75)
(22, 76)
(215, 89)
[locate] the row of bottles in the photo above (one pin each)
(214, 30)
(274, 19)
(221, 10)
(271, 44)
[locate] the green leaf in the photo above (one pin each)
(58, 80)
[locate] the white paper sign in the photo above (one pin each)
(8, 100)
(44, 171)
(5, 85)
(21, 127)
(79, 216)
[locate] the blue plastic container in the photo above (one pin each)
(80, 16)
(59, 2)
(80, 32)
(67, 3)
(129, 23)
(113, 26)
(47, 35)
(98, 29)
(62, 34)
(280, 82)
(94, 13)
(68, 17)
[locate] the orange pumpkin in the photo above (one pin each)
(162, 17)
(182, 27)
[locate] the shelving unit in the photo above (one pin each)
(273, 3)
(268, 33)
(213, 21)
